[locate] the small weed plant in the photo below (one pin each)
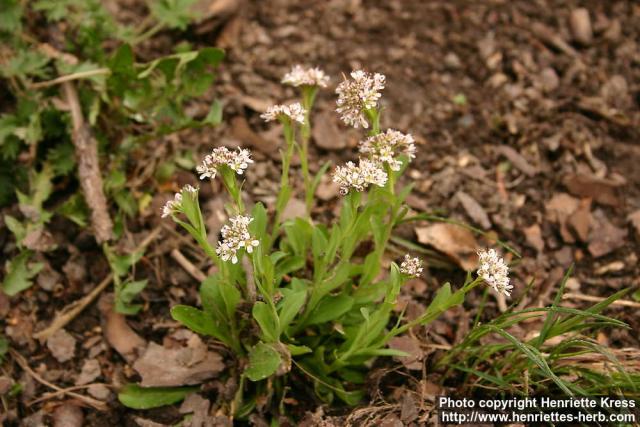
(306, 296)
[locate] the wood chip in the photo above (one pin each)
(533, 236)
(605, 237)
(600, 190)
(580, 24)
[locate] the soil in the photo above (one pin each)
(525, 127)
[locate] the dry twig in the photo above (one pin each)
(188, 265)
(88, 167)
(72, 310)
(20, 360)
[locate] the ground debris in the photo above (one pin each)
(411, 346)
(475, 211)
(160, 366)
(68, 415)
(117, 332)
(605, 237)
(62, 345)
(455, 241)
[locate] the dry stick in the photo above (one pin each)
(20, 360)
(70, 77)
(589, 298)
(188, 265)
(88, 167)
(72, 310)
(63, 391)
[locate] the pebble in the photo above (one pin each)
(580, 24)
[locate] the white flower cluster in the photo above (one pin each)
(299, 76)
(384, 147)
(357, 95)
(295, 112)
(411, 266)
(494, 271)
(174, 206)
(235, 237)
(237, 161)
(360, 176)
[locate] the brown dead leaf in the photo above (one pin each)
(90, 371)
(62, 345)
(172, 367)
(199, 407)
(99, 391)
(240, 130)
(533, 236)
(475, 211)
(634, 219)
(600, 190)
(518, 160)
(580, 220)
(295, 208)
(558, 210)
(117, 331)
(605, 237)
(455, 241)
(412, 347)
(326, 133)
(68, 415)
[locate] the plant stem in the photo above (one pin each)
(285, 189)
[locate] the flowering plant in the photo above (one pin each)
(298, 295)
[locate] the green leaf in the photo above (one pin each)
(330, 308)
(10, 16)
(26, 63)
(194, 319)
(172, 13)
(214, 117)
(264, 316)
(136, 397)
(264, 361)
(290, 305)
(20, 273)
(125, 293)
(17, 228)
(62, 158)
(297, 350)
(4, 348)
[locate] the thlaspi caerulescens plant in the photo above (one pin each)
(292, 295)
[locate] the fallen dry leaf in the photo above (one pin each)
(326, 133)
(62, 345)
(580, 220)
(600, 190)
(558, 210)
(240, 130)
(172, 367)
(99, 391)
(533, 236)
(90, 371)
(475, 211)
(605, 237)
(634, 218)
(68, 415)
(412, 347)
(199, 407)
(518, 160)
(117, 331)
(295, 208)
(455, 241)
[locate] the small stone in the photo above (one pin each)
(90, 371)
(452, 61)
(549, 79)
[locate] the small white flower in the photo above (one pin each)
(360, 176)
(235, 237)
(384, 147)
(494, 271)
(411, 266)
(238, 161)
(172, 207)
(357, 95)
(295, 112)
(190, 189)
(299, 76)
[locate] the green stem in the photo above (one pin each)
(285, 189)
